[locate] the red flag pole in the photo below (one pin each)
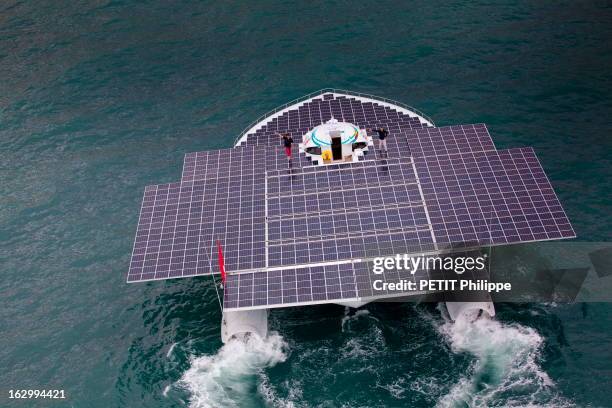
(221, 261)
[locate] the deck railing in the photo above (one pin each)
(333, 90)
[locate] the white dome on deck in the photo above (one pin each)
(334, 141)
(322, 134)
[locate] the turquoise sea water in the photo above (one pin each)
(100, 98)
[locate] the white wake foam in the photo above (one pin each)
(506, 369)
(272, 399)
(229, 378)
(170, 350)
(348, 317)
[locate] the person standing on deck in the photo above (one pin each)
(382, 138)
(287, 143)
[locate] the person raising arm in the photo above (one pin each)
(382, 137)
(287, 143)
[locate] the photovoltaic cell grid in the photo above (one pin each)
(366, 209)
(314, 284)
(353, 281)
(293, 285)
(277, 160)
(491, 198)
(319, 110)
(224, 162)
(431, 141)
(180, 223)
(244, 160)
(459, 215)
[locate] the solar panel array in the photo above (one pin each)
(294, 233)
(344, 282)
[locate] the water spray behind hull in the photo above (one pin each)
(472, 310)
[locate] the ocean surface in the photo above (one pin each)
(100, 98)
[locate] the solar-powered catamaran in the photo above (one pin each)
(306, 232)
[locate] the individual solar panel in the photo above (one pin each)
(289, 286)
(180, 222)
(144, 259)
(431, 141)
(491, 198)
(305, 285)
(224, 163)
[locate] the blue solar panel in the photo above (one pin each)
(431, 141)
(180, 222)
(331, 283)
(245, 162)
(491, 198)
(316, 284)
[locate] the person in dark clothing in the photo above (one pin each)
(382, 137)
(287, 143)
